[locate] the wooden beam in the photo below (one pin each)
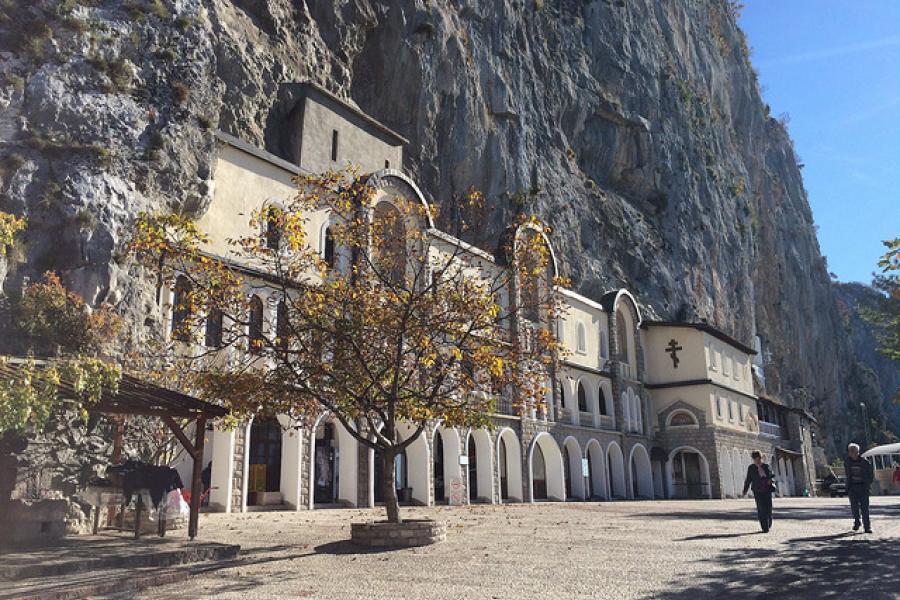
(192, 450)
(196, 477)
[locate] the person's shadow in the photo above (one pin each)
(718, 536)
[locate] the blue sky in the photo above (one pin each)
(834, 67)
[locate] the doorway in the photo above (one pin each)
(264, 478)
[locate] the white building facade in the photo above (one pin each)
(639, 409)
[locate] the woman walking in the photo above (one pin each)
(759, 477)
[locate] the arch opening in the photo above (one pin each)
(641, 473)
(616, 466)
(545, 469)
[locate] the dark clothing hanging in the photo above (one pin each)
(137, 475)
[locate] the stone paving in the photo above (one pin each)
(671, 550)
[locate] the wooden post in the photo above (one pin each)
(196, 476)
(138, 505)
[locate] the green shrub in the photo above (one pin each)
(158, 9)
(185, 22)
(14, 80)
(116, 69)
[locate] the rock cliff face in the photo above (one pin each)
(853, 300)
(635, 128)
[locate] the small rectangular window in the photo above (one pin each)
(387, 164)
(730, 410)
(718, 401)
(334, 144)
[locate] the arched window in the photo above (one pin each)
(604, 345)
(255, 324)
(634, 420)
(328, 253)
(390, 232)
(273, 228)
(214, 328)
(582, 398)
(622, 337)
(282, 332)
(601, 400)
(638, 413)
(682, 419)
(582, 338)
(182, 309)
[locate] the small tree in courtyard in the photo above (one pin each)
(390, 326)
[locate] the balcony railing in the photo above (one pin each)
(626, 371)
(586, 419)
(607, 422)
(769, 429)
(505, 406)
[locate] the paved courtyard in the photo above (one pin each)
(671, 550)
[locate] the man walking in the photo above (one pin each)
(859, 478)
(759, 476)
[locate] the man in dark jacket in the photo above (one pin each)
(759, 476)
(859, 478)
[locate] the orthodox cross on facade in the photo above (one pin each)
(673, 349)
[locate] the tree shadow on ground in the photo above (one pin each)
(348, 547)
(823, 567)
(748, 513)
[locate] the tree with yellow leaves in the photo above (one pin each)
(393, 323)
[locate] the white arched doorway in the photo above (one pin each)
(597, 469)
(545, 469)
(445, 468)
(616, 465)
(333, 464)
(480, 466)
(688, 472)
(791, 480)
(418, 465)
(641, 472)
(509, 466)
(572, 469)
(271, 463)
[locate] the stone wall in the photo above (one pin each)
(240, 450)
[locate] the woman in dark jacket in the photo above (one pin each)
(759, 476)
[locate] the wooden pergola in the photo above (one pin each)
(136, 397)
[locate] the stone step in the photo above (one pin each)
(86, 584)
(129, 555)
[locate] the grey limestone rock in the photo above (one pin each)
(636, 129)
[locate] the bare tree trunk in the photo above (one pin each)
(390, 489)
